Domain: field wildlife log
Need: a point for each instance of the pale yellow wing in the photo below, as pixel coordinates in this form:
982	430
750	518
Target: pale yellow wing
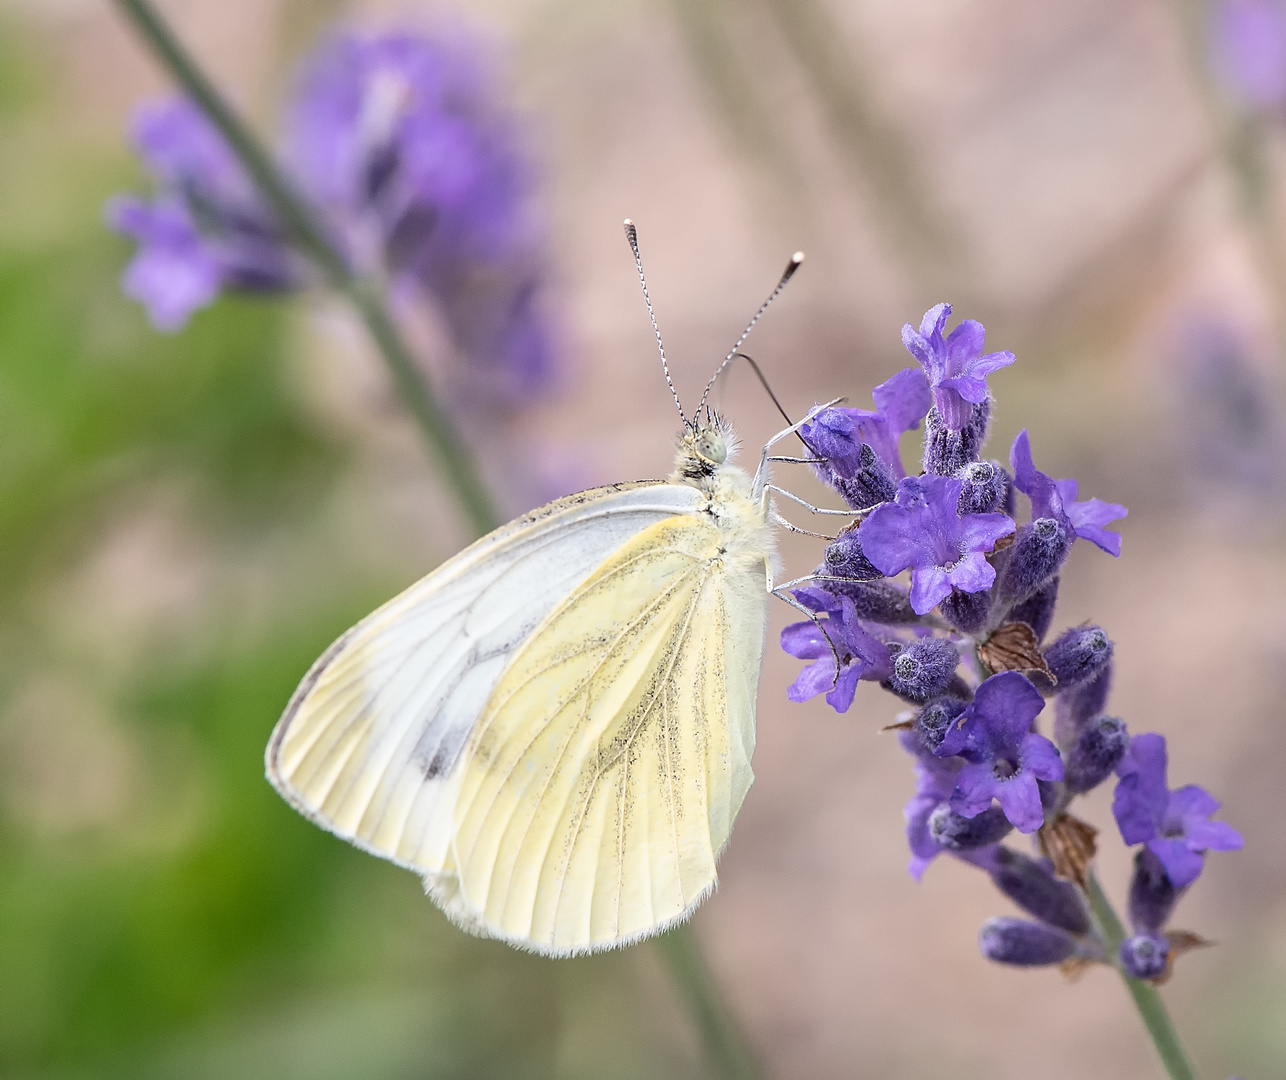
604	775
371	742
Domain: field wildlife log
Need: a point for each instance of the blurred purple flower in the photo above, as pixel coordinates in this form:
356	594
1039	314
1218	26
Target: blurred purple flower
923	533
1057	499
1175	825
1003	756
956	367
861	655
205	231
1249	46
396	136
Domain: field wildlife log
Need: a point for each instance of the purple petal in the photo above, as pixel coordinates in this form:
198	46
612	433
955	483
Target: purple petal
964	343
979	532
1020	462
892	539
930	585
1213	836
971	574
1040	757
933	322
1088	519
816	598
1135	816
1019	798
1190	801
841	696
815	679
805	641
991	363
918	347
1007	704
976	786
903	399
969	387
1182	865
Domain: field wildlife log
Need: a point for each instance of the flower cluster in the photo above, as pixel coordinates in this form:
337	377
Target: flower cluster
965	639
416	175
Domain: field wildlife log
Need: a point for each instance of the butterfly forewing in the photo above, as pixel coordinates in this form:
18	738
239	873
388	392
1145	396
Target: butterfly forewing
370	739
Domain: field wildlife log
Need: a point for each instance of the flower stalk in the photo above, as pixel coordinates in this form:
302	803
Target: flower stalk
1152	1010
721	1036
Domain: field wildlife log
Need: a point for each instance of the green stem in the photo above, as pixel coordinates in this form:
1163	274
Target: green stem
1146	999
725	1044
301	225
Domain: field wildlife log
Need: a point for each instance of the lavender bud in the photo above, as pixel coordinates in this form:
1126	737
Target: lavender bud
1037	611
1144	956
1031	884
1026	944
880	602
1079	705
985	486
1097	751
844	558
1152	893
1038	551
955	832
923	670
933	720
947	452
1078	655
967	612
871	485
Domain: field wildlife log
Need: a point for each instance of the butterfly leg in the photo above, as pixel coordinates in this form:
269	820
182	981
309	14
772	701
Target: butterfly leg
790	526
777	591
761	473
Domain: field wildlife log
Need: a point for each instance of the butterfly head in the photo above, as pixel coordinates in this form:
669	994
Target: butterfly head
704	446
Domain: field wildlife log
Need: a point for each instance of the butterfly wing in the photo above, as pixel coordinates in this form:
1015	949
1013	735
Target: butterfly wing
370	741
608	765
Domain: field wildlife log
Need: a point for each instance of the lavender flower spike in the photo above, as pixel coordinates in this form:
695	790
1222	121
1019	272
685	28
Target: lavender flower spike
956	367
861	657
1003	756
1175	825
1057	499
922	532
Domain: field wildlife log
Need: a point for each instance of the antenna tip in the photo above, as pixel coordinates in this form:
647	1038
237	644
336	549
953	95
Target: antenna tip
797	258
629	224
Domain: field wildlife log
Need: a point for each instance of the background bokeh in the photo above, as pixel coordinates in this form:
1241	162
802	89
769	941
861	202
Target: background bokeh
187	520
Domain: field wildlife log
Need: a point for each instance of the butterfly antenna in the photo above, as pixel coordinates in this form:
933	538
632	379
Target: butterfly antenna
763	379
795	261
632	235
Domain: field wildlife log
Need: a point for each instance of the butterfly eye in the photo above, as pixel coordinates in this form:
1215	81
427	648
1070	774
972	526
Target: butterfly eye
710	445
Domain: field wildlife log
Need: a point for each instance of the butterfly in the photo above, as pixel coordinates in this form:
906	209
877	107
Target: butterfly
554	728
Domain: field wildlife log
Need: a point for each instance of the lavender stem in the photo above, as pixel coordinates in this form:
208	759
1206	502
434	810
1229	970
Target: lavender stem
301	225
1151	1008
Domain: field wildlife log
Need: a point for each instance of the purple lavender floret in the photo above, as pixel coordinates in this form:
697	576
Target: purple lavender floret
1095	754
205	231
1025	944
861	656
1078	655
955	366
1152	894
838	434
986	485
923	533
1250	49
935	780
955	832
1003	756
1031	884
1175	825
1057	499
924	669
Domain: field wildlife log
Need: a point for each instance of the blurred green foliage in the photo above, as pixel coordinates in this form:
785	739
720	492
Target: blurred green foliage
162	912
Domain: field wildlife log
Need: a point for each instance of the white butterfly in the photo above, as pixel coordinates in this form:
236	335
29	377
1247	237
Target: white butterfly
555	727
